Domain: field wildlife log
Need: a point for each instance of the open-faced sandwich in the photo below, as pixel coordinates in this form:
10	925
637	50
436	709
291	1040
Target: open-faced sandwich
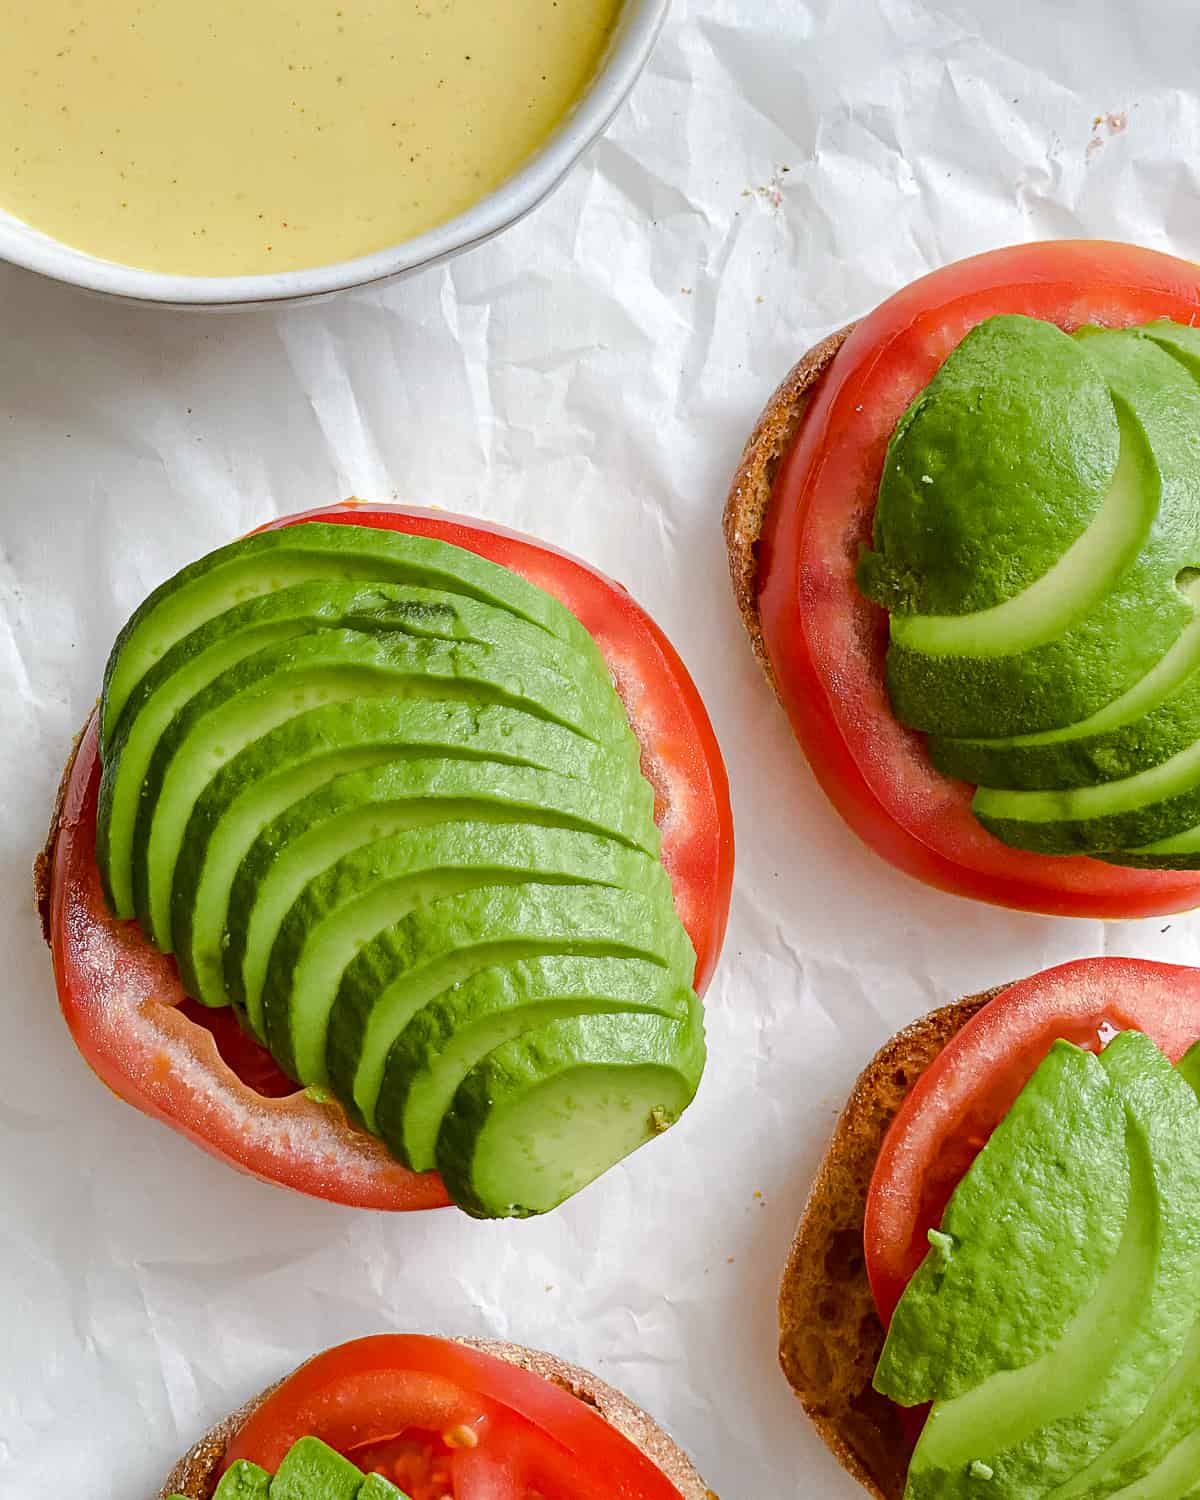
994	1292
428	842
965	541
406	1417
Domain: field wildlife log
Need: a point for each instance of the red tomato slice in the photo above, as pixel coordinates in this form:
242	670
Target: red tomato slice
827	643
401	1402
193	1069
964	1094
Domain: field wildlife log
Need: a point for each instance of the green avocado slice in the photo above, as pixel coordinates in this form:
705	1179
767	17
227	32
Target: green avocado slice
1100	619
547	1112
320	749
1157	1457
964	1281
281	682
189	666
1074	584
311	1470
266	620
1114	815
274	560
243	1481
1036	1427
377	885
1180	340
406	966
1188	1068
1156	719
449	1036
362	807
1018	410
1179	852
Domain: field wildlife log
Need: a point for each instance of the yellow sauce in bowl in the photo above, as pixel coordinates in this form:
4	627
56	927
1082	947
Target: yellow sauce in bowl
231	137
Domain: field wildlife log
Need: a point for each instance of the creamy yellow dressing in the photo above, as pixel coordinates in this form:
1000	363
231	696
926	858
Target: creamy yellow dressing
226	137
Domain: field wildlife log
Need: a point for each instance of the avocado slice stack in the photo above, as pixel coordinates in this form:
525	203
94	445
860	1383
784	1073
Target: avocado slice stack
380	795
1037	544
1055	1322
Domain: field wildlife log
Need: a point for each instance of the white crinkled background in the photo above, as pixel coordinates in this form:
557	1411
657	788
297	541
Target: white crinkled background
589	378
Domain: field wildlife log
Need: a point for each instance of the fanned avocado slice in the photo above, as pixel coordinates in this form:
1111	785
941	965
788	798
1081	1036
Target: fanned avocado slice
377	885
965	1279
218	645
1017	410
189	666
1188	1068
311	1470
547	1112
274	560
1033	1429
243	1481
1093	625
444	944
1156	719
1114	815
1180	340
1181	851
365	806
275	775
449	1036
281	682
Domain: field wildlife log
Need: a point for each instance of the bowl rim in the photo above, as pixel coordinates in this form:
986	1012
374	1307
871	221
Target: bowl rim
638	27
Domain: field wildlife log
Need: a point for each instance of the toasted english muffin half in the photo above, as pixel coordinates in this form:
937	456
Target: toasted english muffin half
830	1336
197	1472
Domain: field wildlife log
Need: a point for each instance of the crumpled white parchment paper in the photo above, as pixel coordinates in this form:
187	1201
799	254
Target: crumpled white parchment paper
590	378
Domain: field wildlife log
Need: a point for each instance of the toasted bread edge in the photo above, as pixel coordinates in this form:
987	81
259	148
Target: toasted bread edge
749	497
830	1334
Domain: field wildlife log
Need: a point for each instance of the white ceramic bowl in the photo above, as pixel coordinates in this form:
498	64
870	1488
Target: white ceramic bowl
633	40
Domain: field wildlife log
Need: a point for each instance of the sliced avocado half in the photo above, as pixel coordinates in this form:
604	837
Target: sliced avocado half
547	1112
281	682
1036	1427
1103	615
362	807
346	773
378	884
274	560
456	1030
406	966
